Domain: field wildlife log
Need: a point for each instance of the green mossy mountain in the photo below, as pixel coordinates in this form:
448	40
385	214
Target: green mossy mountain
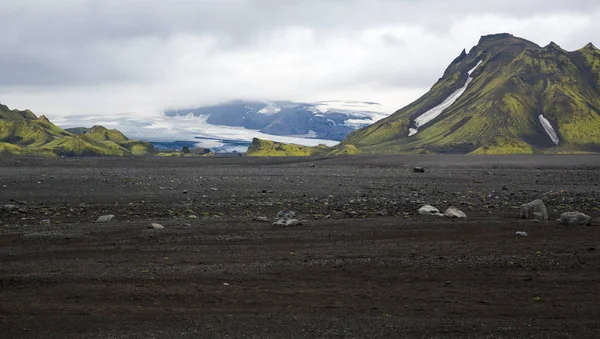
515	82
23	133
267	148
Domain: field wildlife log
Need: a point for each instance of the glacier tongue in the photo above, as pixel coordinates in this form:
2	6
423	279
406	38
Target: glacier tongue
437	110
549	129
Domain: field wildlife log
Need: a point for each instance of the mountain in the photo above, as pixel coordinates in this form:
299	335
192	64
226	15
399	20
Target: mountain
23	133
330	120
506	95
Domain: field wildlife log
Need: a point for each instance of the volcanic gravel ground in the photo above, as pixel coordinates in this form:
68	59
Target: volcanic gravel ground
363	264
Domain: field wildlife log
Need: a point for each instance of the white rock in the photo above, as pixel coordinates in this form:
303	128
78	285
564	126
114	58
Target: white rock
575	219
429	210
105	218
287	222
531	210
155	226
453	212
521	233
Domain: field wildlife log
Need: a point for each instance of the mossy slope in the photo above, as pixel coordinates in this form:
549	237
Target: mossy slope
499	112
267	148
22	133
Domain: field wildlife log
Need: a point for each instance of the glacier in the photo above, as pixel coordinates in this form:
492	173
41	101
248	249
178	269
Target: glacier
437	110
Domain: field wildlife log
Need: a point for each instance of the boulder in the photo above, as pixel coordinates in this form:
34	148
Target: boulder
575	219
430	210
286	214
453	212
105	218
286	218
521	233
534	210
155	226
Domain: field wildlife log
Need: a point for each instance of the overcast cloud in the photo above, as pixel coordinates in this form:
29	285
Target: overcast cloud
66	57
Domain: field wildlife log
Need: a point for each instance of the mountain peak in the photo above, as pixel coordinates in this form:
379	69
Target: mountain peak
505	107
590	46
494	37
553	45
98	128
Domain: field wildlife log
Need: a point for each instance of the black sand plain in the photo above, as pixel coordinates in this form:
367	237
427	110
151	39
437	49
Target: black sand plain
362	265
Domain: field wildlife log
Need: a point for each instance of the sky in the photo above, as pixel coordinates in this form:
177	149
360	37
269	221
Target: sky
140	57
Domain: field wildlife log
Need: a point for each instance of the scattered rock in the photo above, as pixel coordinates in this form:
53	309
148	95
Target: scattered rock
313	165
419	170
286	214
261	219
534	210
430	210
155	226
287	222
521	233
453	212
575	219
106	218
286	218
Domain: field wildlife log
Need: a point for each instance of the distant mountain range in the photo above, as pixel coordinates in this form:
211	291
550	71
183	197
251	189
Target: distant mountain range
23	133
506	95
330	120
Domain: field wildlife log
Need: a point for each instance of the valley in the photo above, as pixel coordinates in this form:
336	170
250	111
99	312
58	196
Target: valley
363	263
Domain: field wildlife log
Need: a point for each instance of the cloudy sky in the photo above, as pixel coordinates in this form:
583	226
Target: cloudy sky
66	57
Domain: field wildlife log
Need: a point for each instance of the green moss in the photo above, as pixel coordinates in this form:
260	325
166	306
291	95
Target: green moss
277	149
100	133
516	82
345	150
503	145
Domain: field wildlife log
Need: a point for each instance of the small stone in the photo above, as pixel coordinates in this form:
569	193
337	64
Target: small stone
155	226
106	218
521	233
419	170
184	192
261	219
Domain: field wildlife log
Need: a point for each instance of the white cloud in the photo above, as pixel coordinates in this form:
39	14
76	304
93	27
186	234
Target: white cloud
101	57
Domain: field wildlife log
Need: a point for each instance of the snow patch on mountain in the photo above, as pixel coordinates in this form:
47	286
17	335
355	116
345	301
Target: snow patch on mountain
271	108
549	129
437	110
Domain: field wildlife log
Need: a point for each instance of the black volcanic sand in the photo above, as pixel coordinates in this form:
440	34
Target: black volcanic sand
363	264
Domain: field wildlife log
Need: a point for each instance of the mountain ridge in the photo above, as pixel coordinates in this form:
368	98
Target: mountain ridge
23	133
517	83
